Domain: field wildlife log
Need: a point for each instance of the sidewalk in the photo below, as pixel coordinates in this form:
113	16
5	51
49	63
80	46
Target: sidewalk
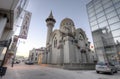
10	73
53	66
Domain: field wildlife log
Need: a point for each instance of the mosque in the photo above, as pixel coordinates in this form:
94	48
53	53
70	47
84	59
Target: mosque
66	46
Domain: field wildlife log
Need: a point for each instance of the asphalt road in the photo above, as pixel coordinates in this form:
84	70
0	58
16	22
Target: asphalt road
22	71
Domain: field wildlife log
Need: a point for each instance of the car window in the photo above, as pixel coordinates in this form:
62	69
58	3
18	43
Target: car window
101	63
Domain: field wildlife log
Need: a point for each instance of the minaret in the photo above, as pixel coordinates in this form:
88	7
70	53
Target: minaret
50	24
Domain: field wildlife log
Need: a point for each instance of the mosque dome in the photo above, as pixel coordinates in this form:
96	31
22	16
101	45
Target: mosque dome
67	26
67	21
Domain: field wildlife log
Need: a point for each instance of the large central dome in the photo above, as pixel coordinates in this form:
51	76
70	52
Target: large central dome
67	26
67	21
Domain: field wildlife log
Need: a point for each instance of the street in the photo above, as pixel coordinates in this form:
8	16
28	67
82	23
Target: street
22	71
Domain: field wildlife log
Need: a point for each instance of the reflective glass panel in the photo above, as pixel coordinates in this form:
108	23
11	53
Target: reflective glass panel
93	23
117	5
117	39
109	9
105	1
116	33
90	5
101	19
107	5
100	14
118	11
112	14
115	26
99	10
116	1
96	2
90	10
103	24
113	20
92	14
94	28
92	18
97	6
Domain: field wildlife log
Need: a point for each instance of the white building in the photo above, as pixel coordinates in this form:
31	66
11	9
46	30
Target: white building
35	55
68	45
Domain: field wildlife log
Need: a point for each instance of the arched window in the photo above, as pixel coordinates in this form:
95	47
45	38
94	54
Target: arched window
55	42
81	37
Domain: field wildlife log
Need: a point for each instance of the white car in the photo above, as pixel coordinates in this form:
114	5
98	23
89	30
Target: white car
106	67
117	65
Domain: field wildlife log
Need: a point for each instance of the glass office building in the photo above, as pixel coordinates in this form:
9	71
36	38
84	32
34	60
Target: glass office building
104	20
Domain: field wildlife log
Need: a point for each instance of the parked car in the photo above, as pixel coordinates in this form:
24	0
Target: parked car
16	61
106	67
29	62
117	65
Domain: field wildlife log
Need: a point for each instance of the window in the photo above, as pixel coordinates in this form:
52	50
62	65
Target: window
55	42
81	37
105	1
117	5
103	24
116	33
112	14
107	5
98	6
93	23
92	18
116	1
90	5
115	26
97	2
99	10
101	19
113	20
90	10
100	14
109	9
94	28
91	14
117	40
36	59
118	11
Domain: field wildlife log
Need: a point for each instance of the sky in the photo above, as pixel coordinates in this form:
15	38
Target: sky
40	9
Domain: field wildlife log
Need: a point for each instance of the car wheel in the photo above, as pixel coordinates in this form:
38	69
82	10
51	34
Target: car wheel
111	72
116	71
97	71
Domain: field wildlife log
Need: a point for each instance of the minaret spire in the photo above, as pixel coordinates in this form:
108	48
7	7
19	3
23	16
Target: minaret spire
51	15
51	18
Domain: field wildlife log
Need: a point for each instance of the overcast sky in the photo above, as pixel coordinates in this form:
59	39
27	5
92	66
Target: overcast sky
74	9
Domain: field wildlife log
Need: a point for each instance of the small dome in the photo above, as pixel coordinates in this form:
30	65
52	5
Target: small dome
67	21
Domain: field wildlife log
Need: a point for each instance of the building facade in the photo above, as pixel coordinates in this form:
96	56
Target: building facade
10	12
35	55
67	45
41	59
104	20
